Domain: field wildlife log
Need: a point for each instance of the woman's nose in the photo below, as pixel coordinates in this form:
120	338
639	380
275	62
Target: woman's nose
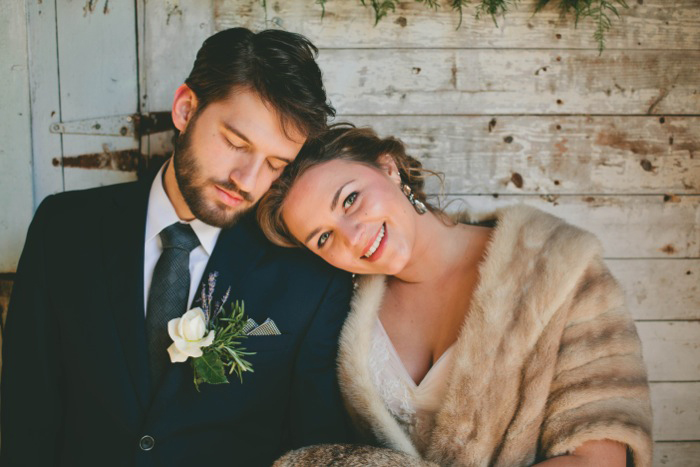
353	233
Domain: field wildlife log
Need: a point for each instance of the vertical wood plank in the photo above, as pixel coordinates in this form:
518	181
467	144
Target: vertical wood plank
98	76
44	99
170	36
15	134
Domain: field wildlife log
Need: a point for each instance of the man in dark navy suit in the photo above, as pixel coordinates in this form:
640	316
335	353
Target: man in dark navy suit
86	380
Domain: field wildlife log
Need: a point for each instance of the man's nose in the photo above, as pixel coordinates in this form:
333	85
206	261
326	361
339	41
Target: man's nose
245	174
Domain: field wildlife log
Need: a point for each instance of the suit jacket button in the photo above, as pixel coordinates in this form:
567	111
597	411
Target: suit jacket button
146	443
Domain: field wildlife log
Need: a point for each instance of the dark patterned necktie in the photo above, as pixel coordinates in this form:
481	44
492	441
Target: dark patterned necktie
167	297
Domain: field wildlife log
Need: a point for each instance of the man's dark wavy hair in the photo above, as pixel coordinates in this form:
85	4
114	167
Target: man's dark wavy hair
279	66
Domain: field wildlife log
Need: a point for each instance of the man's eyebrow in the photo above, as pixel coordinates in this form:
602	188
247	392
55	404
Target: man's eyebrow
334	203
236	132
231	129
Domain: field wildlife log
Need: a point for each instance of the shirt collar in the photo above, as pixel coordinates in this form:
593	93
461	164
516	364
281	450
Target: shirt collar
161	214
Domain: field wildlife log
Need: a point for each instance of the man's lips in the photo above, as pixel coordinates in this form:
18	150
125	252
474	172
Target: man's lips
229	198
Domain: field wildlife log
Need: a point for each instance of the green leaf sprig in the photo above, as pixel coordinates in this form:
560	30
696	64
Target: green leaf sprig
226	351
601	12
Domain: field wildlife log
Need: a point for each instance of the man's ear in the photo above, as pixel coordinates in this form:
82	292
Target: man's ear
184	105
388	165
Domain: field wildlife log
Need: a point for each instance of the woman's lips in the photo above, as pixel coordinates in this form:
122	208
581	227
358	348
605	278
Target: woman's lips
228	198
380	249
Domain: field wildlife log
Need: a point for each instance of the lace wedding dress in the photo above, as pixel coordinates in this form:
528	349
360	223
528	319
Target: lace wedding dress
413	405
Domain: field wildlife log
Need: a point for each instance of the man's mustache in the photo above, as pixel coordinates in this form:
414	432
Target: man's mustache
231	186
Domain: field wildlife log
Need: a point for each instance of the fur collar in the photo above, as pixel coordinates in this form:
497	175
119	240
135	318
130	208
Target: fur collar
529	250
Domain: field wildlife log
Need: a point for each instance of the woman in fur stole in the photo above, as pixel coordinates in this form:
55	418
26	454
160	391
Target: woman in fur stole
499	340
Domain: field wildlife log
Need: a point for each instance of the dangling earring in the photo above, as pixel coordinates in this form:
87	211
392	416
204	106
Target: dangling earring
418	205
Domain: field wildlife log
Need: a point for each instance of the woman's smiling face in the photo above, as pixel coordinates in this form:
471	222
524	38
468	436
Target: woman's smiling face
352	215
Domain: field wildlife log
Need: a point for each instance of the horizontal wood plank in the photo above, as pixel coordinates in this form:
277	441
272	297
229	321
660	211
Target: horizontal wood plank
552	154
671	349
660	289
676	409
487	81
683	454
652	24
628	226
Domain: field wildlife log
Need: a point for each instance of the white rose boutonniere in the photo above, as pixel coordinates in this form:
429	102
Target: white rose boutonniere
210	338
188	335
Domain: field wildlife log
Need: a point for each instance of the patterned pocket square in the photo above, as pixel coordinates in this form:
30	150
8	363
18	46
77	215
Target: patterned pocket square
268	328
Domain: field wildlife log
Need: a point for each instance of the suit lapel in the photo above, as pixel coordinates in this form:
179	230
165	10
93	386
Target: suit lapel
123	237
237	252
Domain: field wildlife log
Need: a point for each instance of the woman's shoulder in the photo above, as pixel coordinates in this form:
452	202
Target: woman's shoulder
521	228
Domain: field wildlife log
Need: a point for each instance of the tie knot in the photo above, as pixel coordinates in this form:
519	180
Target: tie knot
179	235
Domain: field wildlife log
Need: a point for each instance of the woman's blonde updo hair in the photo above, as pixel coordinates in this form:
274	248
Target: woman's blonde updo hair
344	142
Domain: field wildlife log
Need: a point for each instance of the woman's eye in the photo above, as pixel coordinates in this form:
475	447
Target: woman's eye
350	200
322	239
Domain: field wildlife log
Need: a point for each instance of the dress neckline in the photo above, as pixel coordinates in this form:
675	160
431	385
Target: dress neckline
404	371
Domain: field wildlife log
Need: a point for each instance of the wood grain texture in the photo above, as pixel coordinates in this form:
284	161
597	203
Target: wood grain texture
507	81
628	226
169	37
669	454
15	134
652	24
553	154
676	411
671	349
44	99
660	289
98	77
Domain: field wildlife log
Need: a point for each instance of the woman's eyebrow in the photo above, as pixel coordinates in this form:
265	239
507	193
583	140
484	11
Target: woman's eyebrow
312	234
334	203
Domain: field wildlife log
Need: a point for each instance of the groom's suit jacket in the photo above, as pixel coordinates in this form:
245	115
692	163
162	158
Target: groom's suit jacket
75	380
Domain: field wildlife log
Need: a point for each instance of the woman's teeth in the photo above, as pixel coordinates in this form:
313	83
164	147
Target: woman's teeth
376	243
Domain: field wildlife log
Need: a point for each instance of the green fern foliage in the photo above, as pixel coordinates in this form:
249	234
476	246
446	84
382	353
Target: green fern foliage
601	12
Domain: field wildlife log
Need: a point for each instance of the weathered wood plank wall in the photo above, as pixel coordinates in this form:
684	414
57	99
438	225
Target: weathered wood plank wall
530	112
526	112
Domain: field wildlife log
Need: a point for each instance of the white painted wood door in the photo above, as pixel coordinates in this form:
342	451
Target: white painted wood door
82	65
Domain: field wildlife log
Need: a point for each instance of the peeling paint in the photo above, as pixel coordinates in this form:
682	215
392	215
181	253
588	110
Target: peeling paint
668	249
618	140
173	10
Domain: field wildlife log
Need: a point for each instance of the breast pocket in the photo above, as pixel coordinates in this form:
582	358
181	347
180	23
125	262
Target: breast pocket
263	344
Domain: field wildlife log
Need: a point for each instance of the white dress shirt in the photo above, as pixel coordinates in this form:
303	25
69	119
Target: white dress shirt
160	215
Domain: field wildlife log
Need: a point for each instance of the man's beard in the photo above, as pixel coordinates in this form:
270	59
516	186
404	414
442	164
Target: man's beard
192	185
